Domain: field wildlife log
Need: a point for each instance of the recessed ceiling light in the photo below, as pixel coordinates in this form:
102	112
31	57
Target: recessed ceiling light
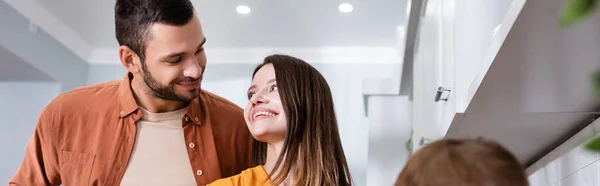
345	7
243	9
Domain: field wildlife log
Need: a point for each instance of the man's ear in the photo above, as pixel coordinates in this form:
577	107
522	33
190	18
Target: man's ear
130	60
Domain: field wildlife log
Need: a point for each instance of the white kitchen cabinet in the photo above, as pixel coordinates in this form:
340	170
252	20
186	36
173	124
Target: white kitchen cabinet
468	30
453	42
427	73
447	90
516	77
434	70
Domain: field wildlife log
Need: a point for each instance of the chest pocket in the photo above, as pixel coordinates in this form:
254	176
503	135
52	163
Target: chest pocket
76	168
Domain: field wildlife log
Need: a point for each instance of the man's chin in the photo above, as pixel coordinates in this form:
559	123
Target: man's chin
190	95
194	92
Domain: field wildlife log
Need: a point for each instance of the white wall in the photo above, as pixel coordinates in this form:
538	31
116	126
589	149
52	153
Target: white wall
20	105
389	129
346	87
234	89
40	50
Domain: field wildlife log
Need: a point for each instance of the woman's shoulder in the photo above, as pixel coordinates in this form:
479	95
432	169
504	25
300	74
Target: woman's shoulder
249	177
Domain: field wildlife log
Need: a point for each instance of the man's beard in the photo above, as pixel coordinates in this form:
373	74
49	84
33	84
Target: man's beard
164	92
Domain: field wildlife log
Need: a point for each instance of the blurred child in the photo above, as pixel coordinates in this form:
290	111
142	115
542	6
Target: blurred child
463	162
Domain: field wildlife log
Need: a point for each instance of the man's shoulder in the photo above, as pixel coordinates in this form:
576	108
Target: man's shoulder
89	96
219	103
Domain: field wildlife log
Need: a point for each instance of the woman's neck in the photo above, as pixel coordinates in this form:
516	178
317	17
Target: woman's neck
273	152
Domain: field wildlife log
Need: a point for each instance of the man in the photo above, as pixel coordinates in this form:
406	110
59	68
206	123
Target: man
154	127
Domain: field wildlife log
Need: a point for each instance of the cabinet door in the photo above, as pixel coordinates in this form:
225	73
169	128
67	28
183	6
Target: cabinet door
474	24
447	104
426	75
437	54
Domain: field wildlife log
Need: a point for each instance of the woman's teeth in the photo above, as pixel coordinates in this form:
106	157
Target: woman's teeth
264	113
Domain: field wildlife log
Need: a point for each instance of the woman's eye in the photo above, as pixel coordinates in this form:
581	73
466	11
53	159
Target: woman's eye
250	95
274	88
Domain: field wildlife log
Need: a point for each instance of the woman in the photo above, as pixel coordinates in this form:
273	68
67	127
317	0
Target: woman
458	162
298	142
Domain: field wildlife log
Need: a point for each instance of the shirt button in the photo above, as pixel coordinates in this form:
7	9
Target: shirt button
122	112
199	172
197	119
187	119
192	145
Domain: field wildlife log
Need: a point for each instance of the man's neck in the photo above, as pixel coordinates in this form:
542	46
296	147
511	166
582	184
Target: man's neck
273	152
150	102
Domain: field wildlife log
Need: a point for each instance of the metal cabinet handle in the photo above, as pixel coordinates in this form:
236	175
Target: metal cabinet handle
440	91
424	141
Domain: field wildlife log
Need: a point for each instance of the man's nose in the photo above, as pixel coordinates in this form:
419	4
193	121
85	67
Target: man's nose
193	70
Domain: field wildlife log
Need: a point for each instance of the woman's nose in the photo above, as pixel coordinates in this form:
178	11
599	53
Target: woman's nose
259	98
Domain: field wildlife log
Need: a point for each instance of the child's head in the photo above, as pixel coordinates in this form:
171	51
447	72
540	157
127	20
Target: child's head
463	162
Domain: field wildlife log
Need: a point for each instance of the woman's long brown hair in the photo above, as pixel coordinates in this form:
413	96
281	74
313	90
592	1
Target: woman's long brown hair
312	142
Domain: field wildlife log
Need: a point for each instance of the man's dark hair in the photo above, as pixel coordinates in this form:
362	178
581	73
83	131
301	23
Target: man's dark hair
133	19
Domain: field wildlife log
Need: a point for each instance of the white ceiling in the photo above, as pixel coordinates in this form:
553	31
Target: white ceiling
287	23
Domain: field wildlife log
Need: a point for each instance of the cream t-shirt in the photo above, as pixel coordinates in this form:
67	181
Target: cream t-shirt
159	154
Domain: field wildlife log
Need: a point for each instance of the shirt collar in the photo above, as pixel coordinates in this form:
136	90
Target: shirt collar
127	103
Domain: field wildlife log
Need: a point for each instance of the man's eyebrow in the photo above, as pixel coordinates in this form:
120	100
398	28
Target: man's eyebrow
171	55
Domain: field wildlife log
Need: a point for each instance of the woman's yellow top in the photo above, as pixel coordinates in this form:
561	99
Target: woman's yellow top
256	176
